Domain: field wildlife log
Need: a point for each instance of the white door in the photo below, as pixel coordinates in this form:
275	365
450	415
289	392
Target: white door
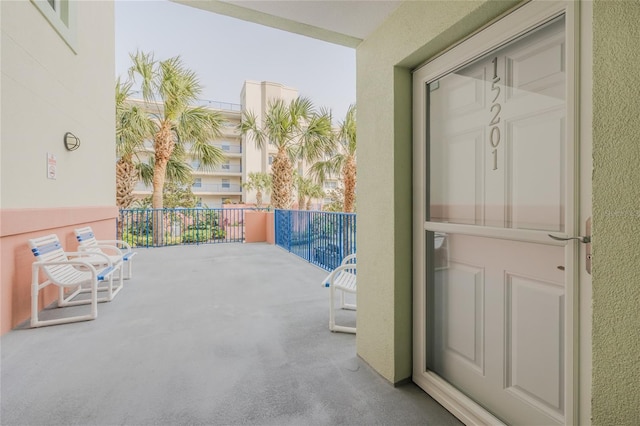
499	161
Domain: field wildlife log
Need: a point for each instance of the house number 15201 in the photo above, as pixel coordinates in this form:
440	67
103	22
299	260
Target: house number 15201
494	129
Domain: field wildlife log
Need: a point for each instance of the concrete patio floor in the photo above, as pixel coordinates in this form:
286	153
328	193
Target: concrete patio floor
210	334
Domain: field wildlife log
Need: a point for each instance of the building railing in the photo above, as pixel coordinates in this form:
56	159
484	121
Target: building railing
229	149
220	168
226	168
322	238
198	188
167	227
216	187
228	106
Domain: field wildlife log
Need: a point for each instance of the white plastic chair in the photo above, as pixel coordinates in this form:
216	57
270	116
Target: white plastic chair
117	251
68	274
343	280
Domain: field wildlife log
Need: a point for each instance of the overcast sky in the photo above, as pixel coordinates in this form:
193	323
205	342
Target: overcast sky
225	51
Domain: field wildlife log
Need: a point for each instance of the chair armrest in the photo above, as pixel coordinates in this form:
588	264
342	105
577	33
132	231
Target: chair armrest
332	276
117	243
81	254
101	246
348	259
67	262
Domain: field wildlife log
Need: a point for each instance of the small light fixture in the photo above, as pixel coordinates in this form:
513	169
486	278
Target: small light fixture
71	141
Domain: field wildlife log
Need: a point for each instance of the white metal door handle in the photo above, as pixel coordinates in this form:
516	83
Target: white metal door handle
583	239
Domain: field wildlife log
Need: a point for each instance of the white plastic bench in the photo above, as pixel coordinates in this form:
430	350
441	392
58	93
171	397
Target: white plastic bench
343	280
117	251
68	273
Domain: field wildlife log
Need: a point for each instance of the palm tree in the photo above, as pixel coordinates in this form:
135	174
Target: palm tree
315	191
307	191
171	88
258	181
302	186
298	131
132	128
342	162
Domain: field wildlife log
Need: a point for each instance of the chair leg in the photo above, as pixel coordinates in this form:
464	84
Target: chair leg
109	287
34	295
94	300
332	320
332	312
62	302
344	304
129	271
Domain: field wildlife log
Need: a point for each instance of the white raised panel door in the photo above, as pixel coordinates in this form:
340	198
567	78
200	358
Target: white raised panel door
496	305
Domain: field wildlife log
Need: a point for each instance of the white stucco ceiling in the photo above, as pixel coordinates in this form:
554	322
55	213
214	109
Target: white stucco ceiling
345	22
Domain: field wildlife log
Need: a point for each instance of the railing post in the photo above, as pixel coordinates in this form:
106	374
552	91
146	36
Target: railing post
290	228
308	236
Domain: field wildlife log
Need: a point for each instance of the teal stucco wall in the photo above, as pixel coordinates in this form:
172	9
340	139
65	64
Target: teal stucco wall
415	32
616	213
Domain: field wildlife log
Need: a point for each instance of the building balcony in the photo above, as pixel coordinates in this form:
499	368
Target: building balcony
216	188
205	334
203	188
229	149
222	169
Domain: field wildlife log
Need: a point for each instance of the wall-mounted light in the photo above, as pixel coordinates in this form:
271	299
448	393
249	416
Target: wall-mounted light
71	141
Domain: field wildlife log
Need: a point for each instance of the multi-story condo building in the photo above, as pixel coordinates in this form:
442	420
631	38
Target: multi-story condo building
223	183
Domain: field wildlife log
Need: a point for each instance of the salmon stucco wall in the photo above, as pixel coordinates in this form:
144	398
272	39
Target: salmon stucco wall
616	213
255	227
50	87
415	32
18	226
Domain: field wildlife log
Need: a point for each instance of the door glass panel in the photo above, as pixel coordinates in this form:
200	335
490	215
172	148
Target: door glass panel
497	136
497	154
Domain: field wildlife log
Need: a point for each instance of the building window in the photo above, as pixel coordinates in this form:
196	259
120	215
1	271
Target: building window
199	203
270	159
195	164
61	14
197	183
225	147
225	165
226	184
331	184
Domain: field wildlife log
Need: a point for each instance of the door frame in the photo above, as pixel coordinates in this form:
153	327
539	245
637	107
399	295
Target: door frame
578	282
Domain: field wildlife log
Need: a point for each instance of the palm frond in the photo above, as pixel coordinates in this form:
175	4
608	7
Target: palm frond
347	132
145	172
249	126
320	171
317	138
179	87
278	125
199	124
208	155
133	125
259	181
178	171
300	109
143	66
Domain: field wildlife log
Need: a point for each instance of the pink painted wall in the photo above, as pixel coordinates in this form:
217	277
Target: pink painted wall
271	228
16	227
255	227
